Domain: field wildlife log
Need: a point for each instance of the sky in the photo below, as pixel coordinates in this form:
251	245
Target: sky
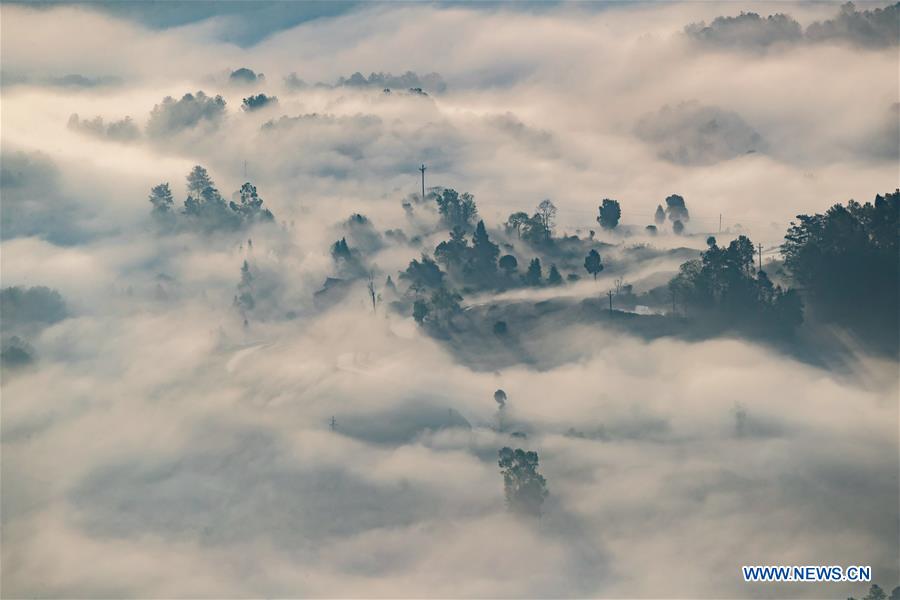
160	447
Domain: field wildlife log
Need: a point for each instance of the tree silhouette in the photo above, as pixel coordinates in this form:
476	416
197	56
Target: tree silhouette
553	277
610	212
676	210
524	487
508	264
546	211
660	216
592	263
534	276
516	222
846	259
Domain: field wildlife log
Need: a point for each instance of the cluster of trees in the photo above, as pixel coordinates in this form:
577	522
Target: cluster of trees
537	229
251	103
846	264
525	488
724	285
458	211
204	207
676	211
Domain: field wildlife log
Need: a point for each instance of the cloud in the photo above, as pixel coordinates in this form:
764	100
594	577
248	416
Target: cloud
161	446
693	134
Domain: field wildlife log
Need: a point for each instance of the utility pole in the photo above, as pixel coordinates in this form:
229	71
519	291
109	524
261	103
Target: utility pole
422	168
760	257
610	294
333	424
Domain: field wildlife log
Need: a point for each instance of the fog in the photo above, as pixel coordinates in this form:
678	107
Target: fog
166	441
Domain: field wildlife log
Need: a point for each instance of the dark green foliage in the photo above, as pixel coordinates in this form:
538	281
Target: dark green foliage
420	311
445	303
610	213
172	116
677	227
340	250
204	207
508	264
650	229
516	222
535	231
161	199
723	284
244	299
423	275
846	262
15	352
524	487
457	210
676	209
534	276
482	264
259	101
660	215
546	212
34	305
554	278
453	252
250	206
500	328
592	263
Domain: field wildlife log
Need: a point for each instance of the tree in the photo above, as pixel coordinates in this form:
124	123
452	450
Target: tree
161	199
508	264
252	103
524	487
723	283
341	251
534	276
554	278
535	231
445	304
250	207
420	311
650	229
592	263
846	259
244	298
660	215
452	252
516	222
423	275
197	181
457	210
482	264
676	209
547	213
678	227
610	212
